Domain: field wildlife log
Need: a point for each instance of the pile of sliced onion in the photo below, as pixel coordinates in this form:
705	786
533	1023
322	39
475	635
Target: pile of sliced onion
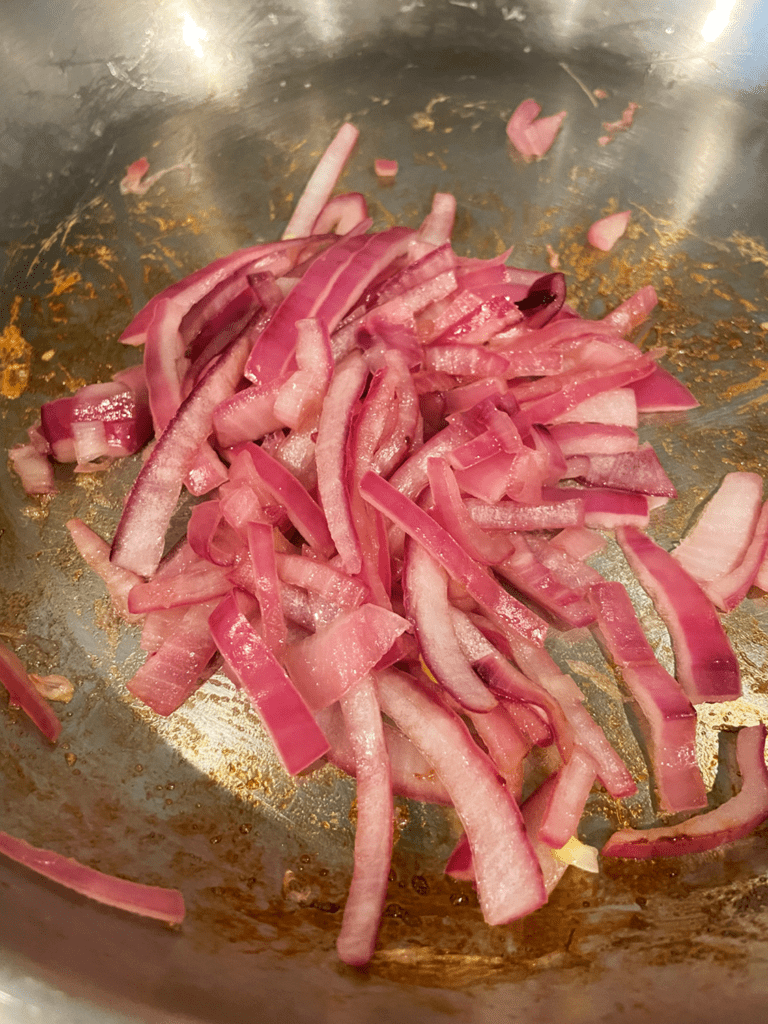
404	458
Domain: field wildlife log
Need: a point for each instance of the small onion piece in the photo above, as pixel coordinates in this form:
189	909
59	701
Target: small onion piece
605	233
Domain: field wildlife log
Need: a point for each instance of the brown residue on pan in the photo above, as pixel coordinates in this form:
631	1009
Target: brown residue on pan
15	356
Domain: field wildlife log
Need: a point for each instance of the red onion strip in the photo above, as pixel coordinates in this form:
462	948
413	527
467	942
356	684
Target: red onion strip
331	458
567	800
261	546
95	552
719	540
373	832
670	716
298	739
321	183
303	511
508	877
732	820
329	663
147	900
510	615
425	593
22	691
140	536
706	667
172	674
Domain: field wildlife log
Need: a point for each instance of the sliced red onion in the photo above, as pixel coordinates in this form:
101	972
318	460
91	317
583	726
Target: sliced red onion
506	746
425	593
567	800
95	552
302	394
538	665
509	614
328	664
507	873
508	682
172	674
410	478
210	536
661	392
718	542
261	546
544	300
605	233
100	420
201	584
511	515
274	349
158	324
632	312
249	414
529	136
23	692
358	261
638	471
552	862
566	391
569	568
388	423
213	315
728	591
34	469
593	438
604	507
437	226
669	716
303	511
530	577
298	739
412	776
732	820
617	408
140	537
158	625
341	213
146	900
134	181
321	578
331	458
373	830
482	545
321	183
705	664
578	542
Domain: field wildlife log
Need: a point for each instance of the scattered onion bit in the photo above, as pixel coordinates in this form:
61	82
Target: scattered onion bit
385	168
605	233
53	687
579	854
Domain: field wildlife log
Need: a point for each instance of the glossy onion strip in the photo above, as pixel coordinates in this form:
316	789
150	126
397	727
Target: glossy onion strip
147	900
407	456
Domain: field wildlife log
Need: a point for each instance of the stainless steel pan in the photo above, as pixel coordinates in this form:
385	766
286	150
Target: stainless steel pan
246	94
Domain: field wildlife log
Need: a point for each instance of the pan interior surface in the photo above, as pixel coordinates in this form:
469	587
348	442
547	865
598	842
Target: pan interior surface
242	99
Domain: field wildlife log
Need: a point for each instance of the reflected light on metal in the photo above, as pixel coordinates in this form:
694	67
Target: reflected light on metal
703	156
193	34
717	20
